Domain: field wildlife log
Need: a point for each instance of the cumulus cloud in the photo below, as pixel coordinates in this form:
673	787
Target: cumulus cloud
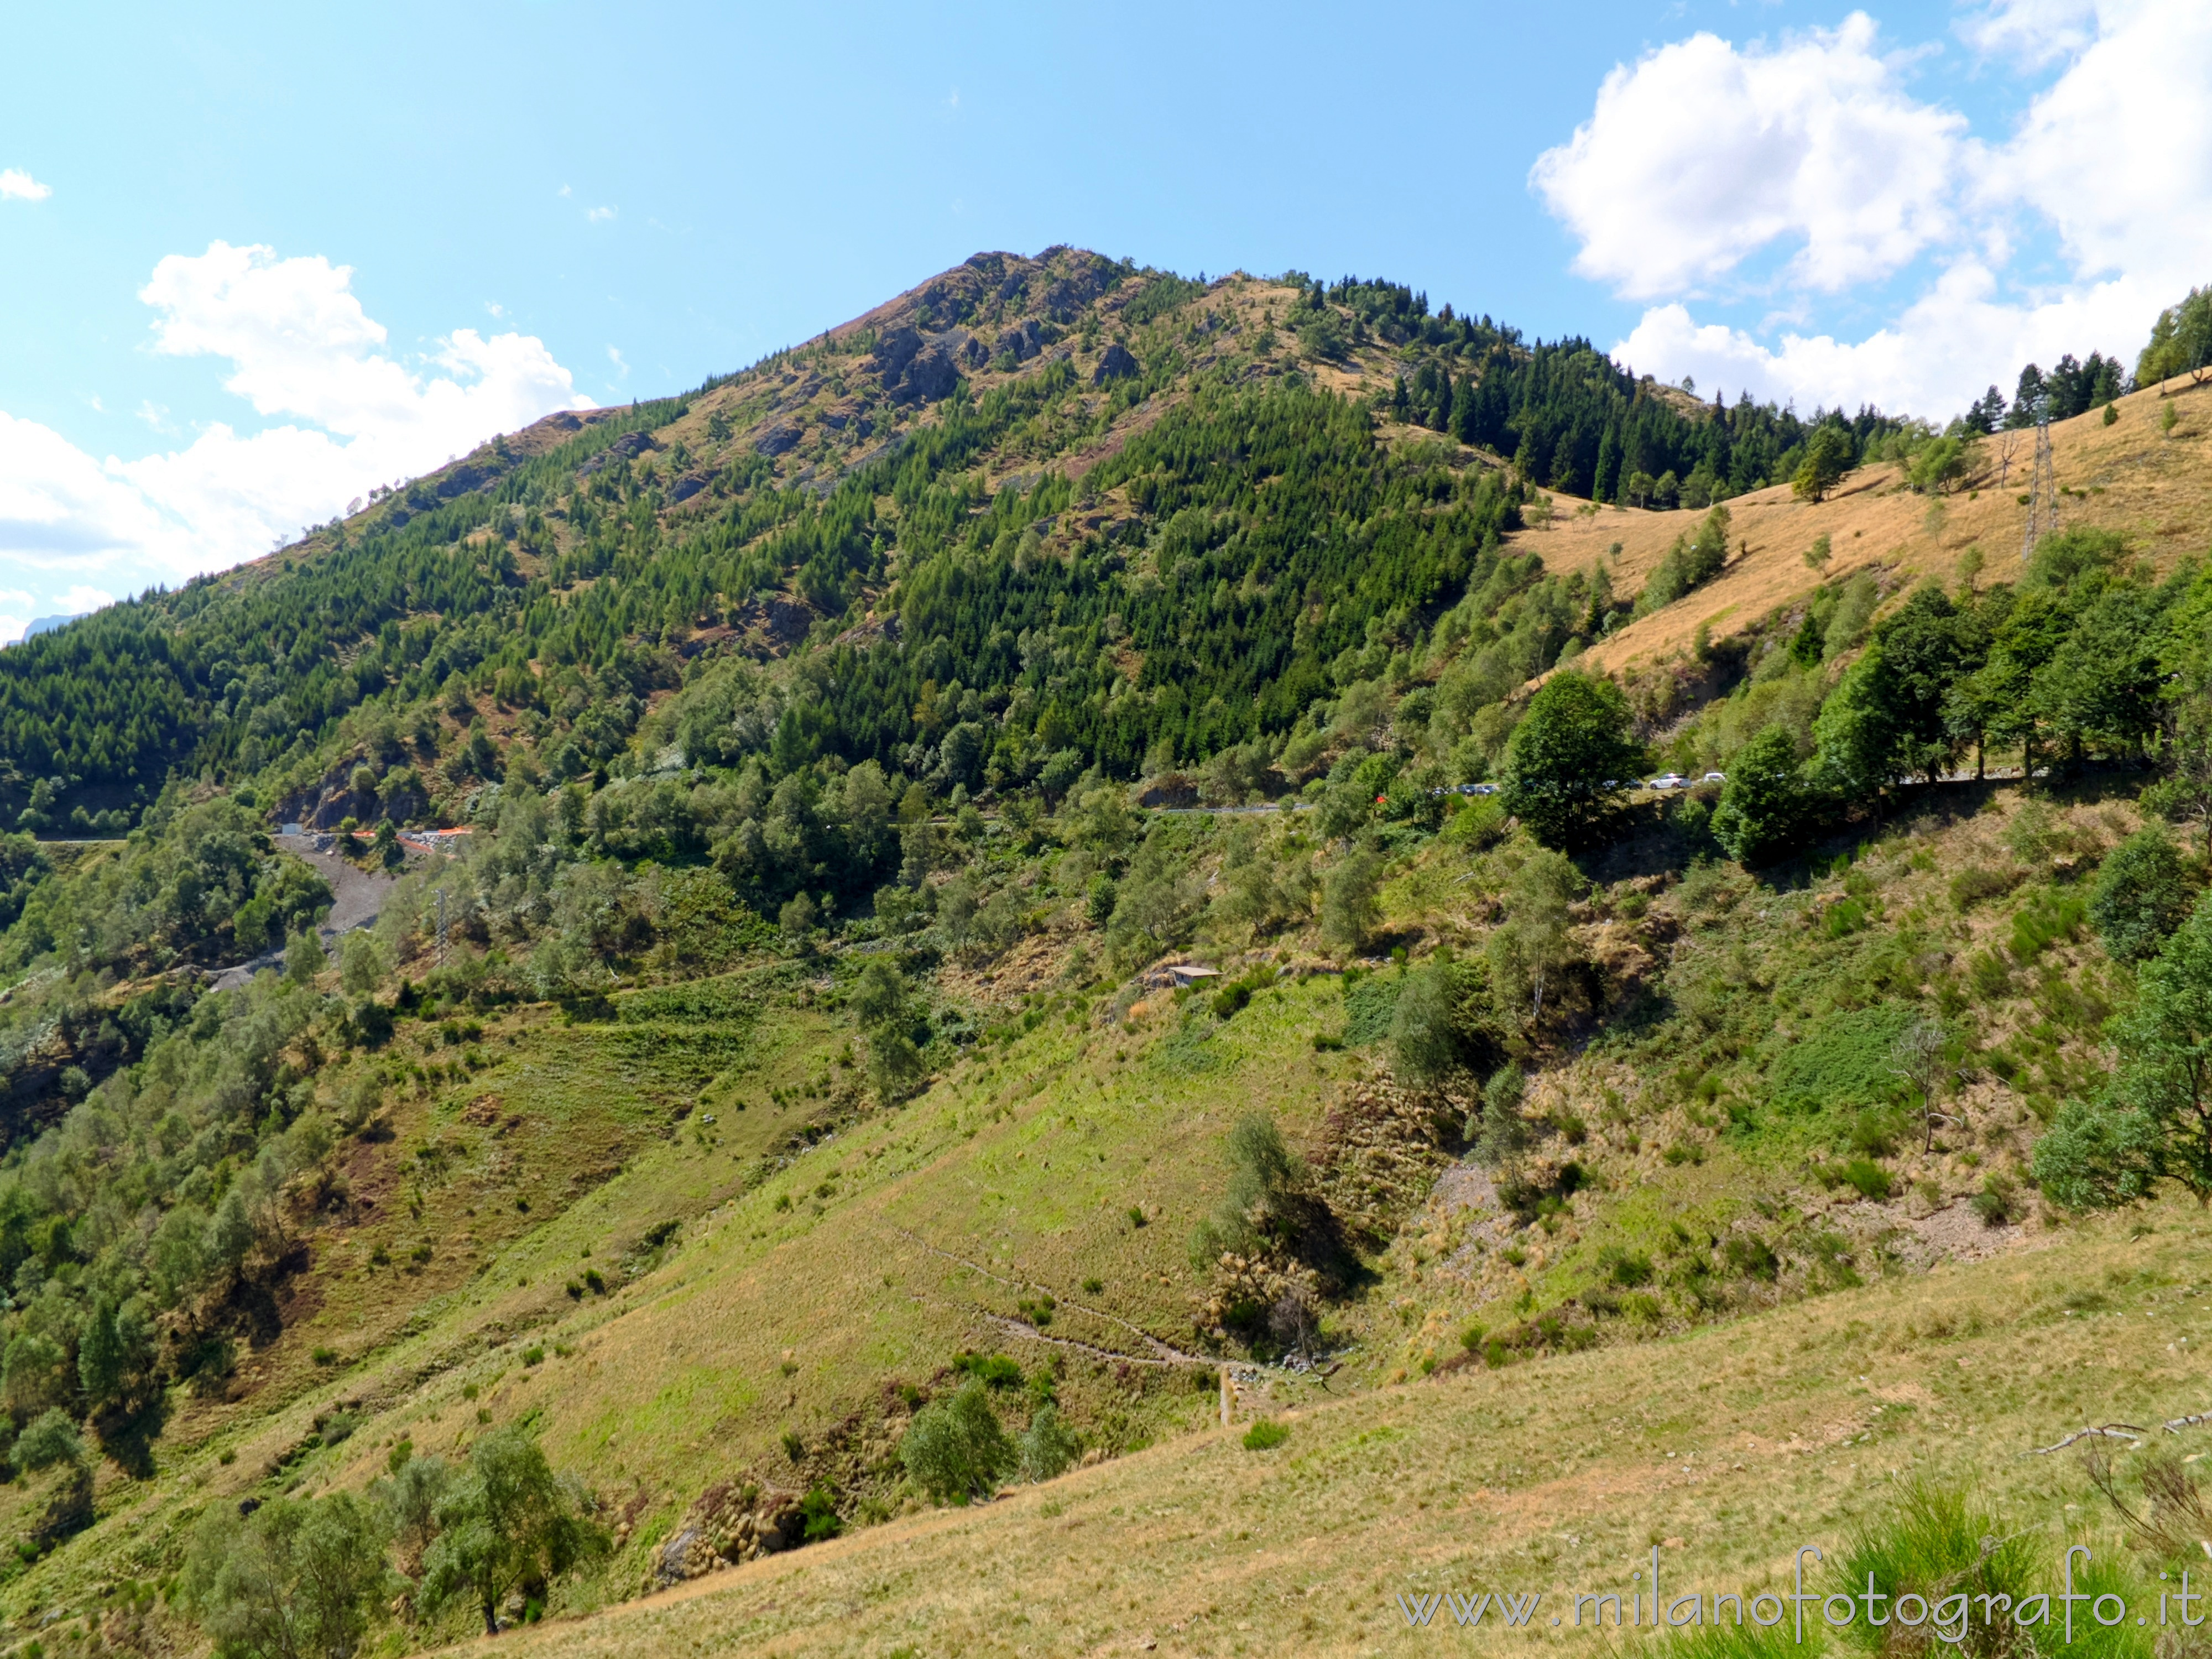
1710	173
300	345
1702	155
17	186
2031	32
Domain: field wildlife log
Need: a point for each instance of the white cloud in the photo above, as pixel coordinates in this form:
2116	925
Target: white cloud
2031	32
615	357
17	186
599	215
1702	156
300	345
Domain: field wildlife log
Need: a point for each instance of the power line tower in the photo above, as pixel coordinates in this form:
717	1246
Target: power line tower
2043	489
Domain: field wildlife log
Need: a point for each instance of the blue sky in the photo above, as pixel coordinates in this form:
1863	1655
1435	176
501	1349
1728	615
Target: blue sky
250	267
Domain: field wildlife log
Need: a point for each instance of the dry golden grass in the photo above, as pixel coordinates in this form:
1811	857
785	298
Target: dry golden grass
1726	1448
2152	486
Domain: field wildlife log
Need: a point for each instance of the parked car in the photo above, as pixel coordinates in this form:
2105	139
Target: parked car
1714	777
1670	780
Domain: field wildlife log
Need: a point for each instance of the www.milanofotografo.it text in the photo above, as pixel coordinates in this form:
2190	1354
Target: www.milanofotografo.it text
1947	1618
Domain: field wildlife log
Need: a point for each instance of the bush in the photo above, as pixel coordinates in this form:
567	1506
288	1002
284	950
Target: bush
2044	921
1047	1445
1370	1006
1843	1062
1977	882
1629	1269
1265	1435
955	1449
1503	1131
2142	894
1868	1177
1351	903
818	1511
993	1370
292	1577
1428	1043
1997	1200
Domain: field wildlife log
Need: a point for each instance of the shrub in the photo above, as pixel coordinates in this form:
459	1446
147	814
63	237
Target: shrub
1995	1201
1265	1435
1978	883
993	1370
2045	920
1871	1180
1370	1007
1047	1445
1844	1062
1938	1547
1630	1269
2142	894
955	1449
819	1511
1428	1041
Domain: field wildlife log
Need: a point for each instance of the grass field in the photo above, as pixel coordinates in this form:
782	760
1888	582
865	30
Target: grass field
2133	477
1726	1448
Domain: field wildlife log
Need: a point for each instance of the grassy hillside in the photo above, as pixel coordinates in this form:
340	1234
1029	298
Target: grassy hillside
803	1043
1728	1450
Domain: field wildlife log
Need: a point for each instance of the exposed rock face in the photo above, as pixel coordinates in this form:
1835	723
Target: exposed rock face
781	621
777	439
1171	789
1115	363
914	369
1078	288
1023	342
629	447
462	479
729	1525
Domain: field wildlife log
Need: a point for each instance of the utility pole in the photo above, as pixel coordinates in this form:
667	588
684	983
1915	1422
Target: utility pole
2043	490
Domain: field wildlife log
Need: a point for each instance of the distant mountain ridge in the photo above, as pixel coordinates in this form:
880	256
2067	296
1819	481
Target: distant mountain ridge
47	625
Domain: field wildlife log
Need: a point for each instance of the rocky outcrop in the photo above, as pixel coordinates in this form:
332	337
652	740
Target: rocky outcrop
1025	341
1170	789
627	447
779	620
777	439
729	1525
1115	363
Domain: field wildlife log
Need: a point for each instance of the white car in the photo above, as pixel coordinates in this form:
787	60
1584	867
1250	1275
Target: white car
1670	780
1714	777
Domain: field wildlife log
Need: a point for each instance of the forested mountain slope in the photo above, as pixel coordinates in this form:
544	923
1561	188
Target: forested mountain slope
788	1100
